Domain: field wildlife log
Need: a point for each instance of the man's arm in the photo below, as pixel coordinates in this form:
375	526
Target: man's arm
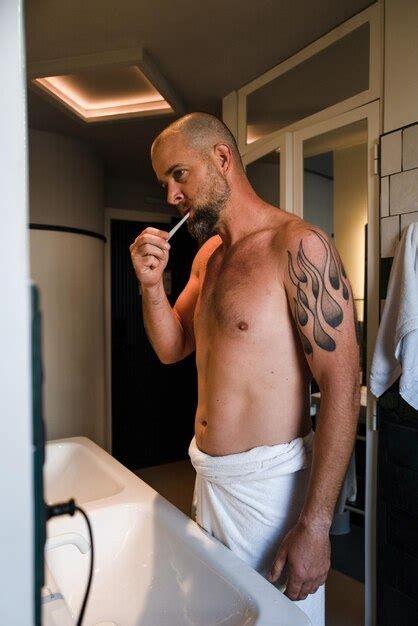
322	305
170	330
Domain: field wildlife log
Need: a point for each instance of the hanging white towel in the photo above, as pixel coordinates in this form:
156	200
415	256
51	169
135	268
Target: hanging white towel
396	350
250	500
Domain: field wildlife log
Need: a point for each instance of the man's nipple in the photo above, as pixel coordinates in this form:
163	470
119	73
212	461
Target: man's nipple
243	326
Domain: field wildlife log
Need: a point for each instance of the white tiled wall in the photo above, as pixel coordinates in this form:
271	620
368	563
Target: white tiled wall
384	197
398	186
407	219
389	235
410	147
404	192
391	146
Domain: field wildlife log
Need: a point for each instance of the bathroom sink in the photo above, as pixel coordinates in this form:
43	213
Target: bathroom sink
154	566
73	470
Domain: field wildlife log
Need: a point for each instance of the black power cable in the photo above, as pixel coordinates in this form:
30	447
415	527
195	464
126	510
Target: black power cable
69	508
86	595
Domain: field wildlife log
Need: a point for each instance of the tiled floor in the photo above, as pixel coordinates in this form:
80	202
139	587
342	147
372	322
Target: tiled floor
344	595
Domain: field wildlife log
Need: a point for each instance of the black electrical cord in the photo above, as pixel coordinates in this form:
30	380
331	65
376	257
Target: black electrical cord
69	508
86	595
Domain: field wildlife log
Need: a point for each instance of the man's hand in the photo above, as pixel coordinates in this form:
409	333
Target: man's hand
306	553
149	254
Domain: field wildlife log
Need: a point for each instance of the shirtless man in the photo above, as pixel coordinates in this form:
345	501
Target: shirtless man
267	307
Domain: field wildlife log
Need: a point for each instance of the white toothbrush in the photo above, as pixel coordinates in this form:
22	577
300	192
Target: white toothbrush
177	226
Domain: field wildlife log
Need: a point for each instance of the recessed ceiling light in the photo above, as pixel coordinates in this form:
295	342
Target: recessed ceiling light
100	88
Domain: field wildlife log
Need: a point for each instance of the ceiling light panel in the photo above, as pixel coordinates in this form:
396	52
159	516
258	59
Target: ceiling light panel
106	91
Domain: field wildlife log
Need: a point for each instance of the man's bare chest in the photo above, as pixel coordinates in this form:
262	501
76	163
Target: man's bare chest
244	294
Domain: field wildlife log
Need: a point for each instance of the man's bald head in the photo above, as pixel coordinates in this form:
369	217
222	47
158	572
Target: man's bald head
202	131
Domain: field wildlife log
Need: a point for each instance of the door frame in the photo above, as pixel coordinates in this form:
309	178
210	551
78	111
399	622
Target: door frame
370	112
125	215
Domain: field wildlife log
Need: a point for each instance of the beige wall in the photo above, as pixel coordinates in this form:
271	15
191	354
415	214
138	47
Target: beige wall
68	269
66	189
127	193
350	214
66	182
401	67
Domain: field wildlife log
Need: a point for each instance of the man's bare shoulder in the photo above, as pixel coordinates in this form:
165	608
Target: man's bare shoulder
298	237
204	253
295	232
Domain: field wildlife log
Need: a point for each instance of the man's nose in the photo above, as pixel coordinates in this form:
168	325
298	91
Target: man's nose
174	194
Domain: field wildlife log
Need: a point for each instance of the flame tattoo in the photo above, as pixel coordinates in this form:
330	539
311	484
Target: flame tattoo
316	283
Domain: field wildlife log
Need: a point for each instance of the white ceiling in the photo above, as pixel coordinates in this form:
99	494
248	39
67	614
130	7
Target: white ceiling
204	50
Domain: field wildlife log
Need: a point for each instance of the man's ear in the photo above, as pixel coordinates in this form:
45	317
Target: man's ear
223	156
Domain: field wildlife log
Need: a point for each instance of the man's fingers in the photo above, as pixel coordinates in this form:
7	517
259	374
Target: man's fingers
147	252
150	250
143	240
150	264
277	567
155	231
293	587
306	590
149	255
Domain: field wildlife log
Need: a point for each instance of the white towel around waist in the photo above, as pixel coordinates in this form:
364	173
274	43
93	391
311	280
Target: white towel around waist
246	498
255	464
250	500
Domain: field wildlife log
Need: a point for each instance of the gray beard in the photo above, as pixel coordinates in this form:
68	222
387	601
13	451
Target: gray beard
203	224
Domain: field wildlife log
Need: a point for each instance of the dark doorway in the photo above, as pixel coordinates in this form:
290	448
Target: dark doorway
153	405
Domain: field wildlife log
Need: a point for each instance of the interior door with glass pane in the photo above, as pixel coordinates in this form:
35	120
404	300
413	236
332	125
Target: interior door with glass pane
336	188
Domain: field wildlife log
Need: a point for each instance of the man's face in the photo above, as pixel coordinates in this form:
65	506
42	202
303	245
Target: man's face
193	184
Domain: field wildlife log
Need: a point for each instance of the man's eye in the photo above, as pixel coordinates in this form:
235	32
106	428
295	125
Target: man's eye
178	174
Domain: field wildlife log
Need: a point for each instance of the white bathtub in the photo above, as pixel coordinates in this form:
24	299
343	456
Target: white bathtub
153	565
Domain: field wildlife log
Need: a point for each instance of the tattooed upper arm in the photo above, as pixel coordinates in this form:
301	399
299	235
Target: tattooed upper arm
320	296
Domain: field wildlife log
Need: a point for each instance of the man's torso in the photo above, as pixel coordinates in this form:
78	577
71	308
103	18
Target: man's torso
252	373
